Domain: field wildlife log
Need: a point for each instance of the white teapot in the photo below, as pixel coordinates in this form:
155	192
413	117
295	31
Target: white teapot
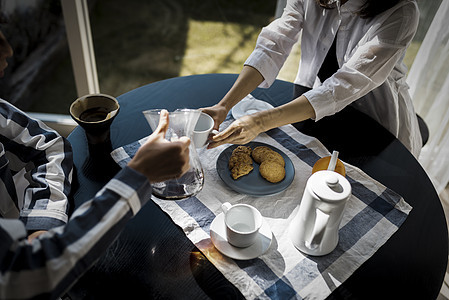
314	229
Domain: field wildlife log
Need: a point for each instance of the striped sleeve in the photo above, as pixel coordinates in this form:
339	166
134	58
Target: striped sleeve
42	163
52	263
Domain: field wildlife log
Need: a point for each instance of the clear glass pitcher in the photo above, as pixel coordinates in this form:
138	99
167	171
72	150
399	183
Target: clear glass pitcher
181	123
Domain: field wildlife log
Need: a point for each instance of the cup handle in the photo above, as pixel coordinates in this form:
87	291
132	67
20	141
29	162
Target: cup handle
226	206
318	230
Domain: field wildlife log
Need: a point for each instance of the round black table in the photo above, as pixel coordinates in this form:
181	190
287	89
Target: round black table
153	259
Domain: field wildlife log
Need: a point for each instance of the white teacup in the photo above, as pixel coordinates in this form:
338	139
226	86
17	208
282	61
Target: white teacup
202	130
243	222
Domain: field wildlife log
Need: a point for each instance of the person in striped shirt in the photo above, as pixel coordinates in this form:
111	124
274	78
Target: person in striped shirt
36	167
48	263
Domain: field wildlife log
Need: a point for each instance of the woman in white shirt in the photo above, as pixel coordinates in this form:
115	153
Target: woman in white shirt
371	38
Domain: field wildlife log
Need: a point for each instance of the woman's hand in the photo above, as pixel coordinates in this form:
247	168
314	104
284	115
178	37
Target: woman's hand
240	132
218	113
247	81
248	127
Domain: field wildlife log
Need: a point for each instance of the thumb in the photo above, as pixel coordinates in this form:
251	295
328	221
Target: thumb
163	123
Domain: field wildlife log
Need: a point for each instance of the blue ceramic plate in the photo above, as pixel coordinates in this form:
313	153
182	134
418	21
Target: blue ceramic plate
253	183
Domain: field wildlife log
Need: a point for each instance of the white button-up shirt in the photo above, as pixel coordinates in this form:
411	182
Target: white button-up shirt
369	54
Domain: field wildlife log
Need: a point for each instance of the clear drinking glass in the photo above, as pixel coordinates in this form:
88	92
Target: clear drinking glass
181	123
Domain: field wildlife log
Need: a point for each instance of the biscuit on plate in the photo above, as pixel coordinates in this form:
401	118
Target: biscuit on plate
272	171
244	149
259	152
239	158
240	170
274	156
263	153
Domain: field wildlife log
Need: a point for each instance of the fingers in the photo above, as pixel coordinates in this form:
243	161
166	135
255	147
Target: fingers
225	133
233	139
239	132
35	234
212	145
180	159
230	134
230	137
213	115
224	137
163	123
217	112
160	160
185	143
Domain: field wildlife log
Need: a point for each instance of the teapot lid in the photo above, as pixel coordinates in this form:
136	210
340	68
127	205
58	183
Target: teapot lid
329	186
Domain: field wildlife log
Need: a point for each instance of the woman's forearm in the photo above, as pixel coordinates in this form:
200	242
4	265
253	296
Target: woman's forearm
248	127
248	80
296	110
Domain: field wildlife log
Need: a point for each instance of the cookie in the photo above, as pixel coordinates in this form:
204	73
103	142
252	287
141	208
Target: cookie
239	158
259	152
272	171
242	149
273	156
240	170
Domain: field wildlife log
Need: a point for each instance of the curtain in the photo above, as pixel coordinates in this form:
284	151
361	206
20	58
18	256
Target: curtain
429	87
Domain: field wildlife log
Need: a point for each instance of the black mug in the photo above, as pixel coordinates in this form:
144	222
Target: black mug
95	114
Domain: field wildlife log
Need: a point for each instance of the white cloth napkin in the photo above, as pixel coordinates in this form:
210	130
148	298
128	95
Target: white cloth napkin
249	105
373	213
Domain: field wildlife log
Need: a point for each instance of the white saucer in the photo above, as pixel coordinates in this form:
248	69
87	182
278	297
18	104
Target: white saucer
218	237
249	105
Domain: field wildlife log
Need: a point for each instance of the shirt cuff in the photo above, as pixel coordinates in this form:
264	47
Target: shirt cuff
265	65
322	102
132	186
41	219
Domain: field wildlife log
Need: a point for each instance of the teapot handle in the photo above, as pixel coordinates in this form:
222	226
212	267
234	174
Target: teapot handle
318	230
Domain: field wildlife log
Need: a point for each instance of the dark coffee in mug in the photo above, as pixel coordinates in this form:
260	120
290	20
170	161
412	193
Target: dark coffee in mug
94	114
